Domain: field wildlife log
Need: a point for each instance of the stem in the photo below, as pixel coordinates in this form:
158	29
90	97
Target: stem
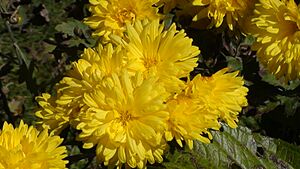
11	118
19	52
30	82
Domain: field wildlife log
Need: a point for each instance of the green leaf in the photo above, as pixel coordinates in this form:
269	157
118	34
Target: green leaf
236	148
75	42
70	26
4	6
234	63
66	28
249	40
179	160
280	150
168	20
78	32
268	106
271	79
290	104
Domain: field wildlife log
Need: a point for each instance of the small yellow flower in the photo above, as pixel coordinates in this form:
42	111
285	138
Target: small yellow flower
27	148
168	54
125	117
111	16
276	26
217	10
222	93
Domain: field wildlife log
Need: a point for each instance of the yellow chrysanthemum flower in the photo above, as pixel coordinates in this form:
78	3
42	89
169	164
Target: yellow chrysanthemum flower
27	148
126	118
222	93
94	66
188	120
169	54
232	10
111	16
276	26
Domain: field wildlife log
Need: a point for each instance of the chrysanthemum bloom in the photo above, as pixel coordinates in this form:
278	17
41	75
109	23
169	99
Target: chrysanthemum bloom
27	148
94	66
217	10
189	121
169	54
276	26
126	118
111	16
222	93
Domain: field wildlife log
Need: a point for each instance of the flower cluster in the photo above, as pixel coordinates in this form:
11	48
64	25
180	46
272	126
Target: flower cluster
25	147
111	16
126	96
274	24
128	99
132	93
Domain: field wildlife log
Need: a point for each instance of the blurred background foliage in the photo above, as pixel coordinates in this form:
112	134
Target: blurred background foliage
39	39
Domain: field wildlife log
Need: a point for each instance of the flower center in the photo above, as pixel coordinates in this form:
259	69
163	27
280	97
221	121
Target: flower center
149	62
290	27
125	118
125	15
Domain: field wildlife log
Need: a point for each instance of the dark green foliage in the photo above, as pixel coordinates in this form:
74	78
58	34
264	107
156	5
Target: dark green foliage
36	50
237	148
